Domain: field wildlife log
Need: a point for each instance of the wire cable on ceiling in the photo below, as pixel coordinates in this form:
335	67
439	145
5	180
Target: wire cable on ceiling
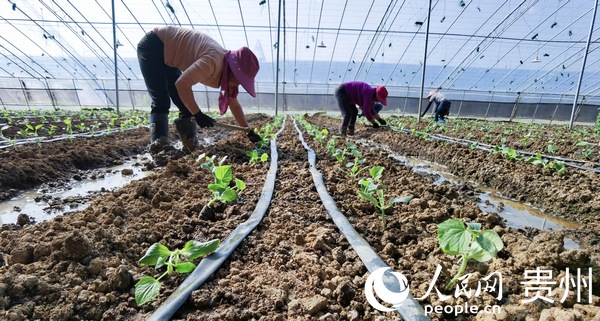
574	60
62	46
44	51
538	27
473	55
159	13
186	14
109	44
556	69
243	23
548	41
375	38
350	60
129	10
271	34
101	56
296	45
171	13
316	41
19	64
216	22
473	35
337	35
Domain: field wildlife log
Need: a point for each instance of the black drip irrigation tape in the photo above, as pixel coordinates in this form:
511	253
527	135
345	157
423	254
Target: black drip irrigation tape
489	148
42	139
410	309
211	263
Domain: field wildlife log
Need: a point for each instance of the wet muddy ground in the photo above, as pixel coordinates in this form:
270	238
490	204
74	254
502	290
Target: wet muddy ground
296	265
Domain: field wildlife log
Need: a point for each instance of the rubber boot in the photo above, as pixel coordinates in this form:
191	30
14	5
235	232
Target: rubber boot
186	128
159	126
350	130
343	130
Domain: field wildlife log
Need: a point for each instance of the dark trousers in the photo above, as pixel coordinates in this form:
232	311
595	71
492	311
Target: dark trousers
160	79
349	110
442	110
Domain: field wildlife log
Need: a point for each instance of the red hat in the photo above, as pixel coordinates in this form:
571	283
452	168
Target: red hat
381	94
244	65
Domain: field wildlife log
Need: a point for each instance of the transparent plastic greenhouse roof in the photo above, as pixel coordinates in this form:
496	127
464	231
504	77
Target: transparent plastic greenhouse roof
499	46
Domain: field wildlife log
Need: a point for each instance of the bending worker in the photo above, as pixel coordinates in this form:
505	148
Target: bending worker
173	59
443	106
353	93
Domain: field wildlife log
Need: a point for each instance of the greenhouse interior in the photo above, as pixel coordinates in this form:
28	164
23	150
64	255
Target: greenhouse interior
300	160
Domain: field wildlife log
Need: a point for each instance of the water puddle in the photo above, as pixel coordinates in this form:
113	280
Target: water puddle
516	214
41	205
519	215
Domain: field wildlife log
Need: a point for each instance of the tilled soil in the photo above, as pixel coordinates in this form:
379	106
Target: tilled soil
295	265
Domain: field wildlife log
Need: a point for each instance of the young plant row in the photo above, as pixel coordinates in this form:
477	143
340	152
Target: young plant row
266	132
580	143
509	153
224	189
352	163
468	241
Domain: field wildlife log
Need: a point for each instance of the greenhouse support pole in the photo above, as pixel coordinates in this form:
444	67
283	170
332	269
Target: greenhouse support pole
587	48
424	62
114	25
277	68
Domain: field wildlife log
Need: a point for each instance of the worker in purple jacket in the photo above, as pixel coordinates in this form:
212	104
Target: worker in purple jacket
350	94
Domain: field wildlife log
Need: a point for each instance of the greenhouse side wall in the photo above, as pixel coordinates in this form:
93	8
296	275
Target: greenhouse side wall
24	94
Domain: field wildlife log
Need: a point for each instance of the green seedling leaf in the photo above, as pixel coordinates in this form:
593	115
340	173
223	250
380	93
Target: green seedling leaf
194	249
453	236
224	174
369	198
229	195
146	290
215	187
376	172
264	157
470	243
486	246
240	184
185	267
154	254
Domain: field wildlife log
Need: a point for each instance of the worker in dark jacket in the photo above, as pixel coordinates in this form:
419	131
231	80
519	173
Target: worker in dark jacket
351	94
443	106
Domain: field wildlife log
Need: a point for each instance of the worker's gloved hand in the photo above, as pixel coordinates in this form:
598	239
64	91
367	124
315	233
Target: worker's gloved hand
382	122
376	125
253	136
204	120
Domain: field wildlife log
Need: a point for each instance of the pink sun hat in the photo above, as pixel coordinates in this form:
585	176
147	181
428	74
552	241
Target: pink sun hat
381	93
244	65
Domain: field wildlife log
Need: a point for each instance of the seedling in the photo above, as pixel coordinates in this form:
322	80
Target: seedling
470	242
209	162
381	205
148	288
221	191
355	168
69	124
370	184
374	193
340	155
254	156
